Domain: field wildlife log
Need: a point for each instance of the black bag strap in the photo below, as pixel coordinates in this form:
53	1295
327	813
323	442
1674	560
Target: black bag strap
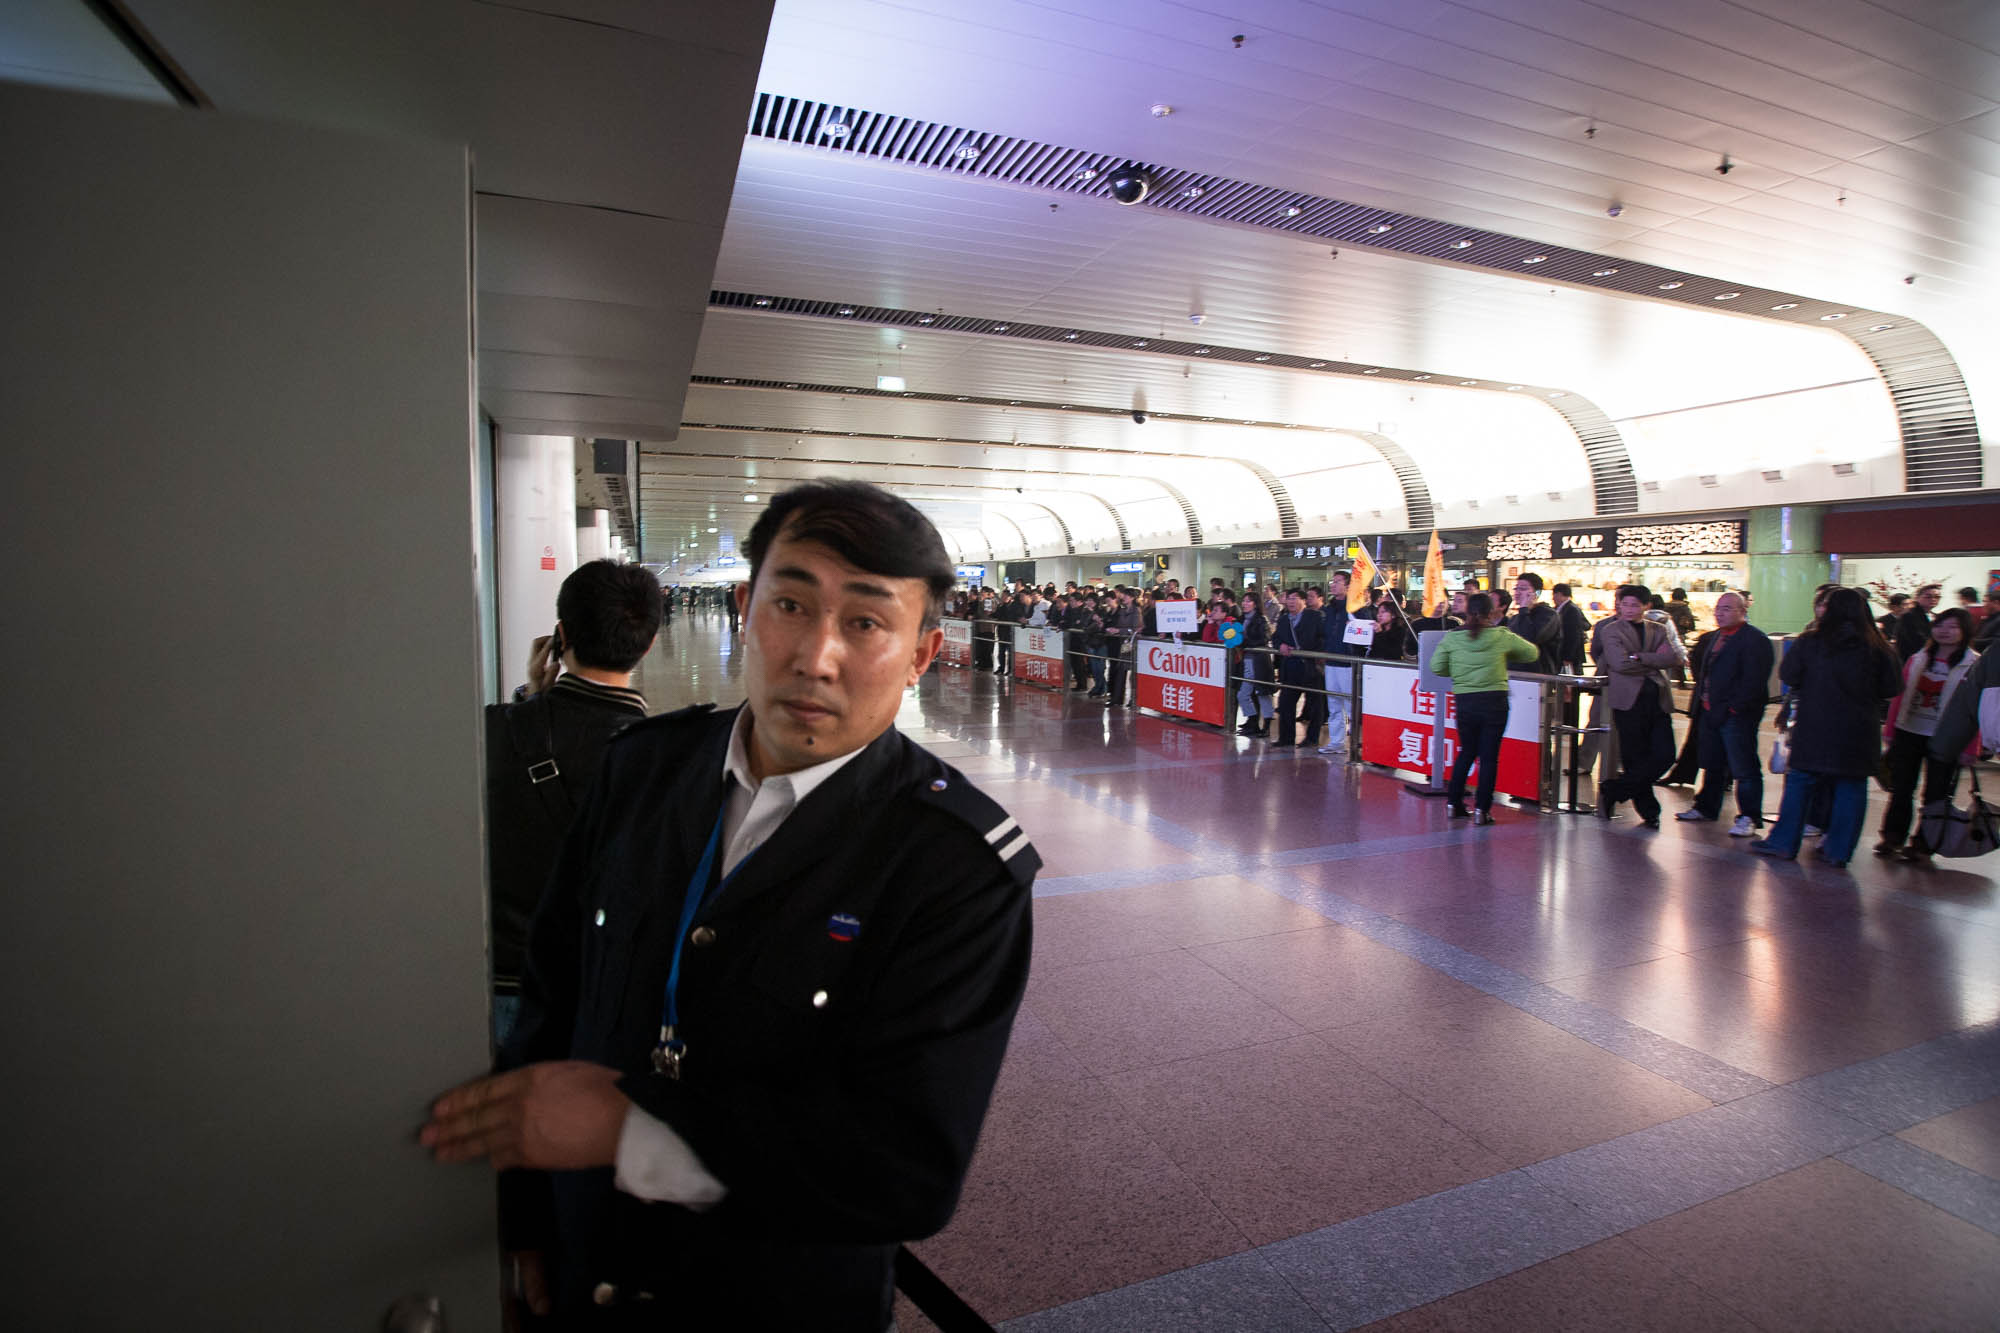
939	1303
538	753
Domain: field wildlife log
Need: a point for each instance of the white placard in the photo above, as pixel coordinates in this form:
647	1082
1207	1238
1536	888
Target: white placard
1360	633
1176	617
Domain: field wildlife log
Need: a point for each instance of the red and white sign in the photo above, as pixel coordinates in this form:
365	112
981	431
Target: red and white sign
1185	680
1038	655
548	557
957	650
1396	728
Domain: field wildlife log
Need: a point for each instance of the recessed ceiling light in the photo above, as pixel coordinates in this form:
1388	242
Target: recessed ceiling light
1604	273
791	386
1143	342
999	328
847	310
848	390
1423	377
1381	229
1839	315
1786	305
1372	370
836	129
1071	337
1559	393
1880	328
1319	365
1536	259
963	399
926	319
1461	244
1466	384
1013	402
762	300
750	499
1208	418
1726	296
1263	356
1192	192
909	395
1203	351
1670	286
966	152
711	529
1293	211
1087	174
1248	422
729	381
1513	388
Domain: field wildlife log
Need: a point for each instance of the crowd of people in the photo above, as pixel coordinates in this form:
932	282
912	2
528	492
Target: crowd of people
1890	699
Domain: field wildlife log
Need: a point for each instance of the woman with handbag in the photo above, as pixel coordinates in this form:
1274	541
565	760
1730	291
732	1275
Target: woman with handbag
1840	672
1930	678
1634	653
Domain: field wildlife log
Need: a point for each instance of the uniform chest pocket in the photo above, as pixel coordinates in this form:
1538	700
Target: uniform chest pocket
612	930
805	978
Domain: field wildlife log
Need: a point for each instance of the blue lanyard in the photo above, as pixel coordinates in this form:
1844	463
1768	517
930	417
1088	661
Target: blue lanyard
670	1050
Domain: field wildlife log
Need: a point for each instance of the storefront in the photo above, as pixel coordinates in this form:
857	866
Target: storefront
1706	556
1901	547
1287	564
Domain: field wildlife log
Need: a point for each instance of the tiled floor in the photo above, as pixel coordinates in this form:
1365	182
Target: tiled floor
1299	1054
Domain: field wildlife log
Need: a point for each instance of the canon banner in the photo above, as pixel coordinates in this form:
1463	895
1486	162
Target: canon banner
957	650
1396	728
1038	655
1185	680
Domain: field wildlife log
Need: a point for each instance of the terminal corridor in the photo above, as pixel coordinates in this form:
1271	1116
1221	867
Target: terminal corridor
1296	1054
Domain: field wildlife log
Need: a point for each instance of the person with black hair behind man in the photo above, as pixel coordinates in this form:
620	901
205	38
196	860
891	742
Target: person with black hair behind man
1899	603
774	972
1575	635
1537	622
543	750
1913	628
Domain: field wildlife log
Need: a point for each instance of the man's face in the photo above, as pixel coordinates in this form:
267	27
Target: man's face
1728	611
1294	603
1458	603
1630	608
1928	599
829	650
1313	599
1524	593
1336	586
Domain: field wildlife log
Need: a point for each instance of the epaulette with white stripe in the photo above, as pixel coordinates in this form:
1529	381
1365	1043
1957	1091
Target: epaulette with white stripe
951	791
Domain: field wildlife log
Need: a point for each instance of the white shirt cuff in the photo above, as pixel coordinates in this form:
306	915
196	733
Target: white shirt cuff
656	1164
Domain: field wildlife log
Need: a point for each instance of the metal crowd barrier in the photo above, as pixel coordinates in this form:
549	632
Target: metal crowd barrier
1561	730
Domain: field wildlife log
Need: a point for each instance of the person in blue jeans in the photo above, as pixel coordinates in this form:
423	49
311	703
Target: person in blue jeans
1841	672
1475	658
1731	693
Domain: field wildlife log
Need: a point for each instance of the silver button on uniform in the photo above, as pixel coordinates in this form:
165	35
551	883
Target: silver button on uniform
701	937
819	999
604	1293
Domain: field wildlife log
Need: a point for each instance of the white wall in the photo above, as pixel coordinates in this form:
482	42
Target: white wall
535	479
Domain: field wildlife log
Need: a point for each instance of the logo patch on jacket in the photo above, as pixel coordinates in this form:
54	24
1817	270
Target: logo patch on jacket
840	926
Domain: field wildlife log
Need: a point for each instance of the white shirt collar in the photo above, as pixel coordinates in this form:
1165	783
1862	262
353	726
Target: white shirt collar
736	763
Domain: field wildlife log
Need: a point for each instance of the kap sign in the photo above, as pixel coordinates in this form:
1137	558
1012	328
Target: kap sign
1184	680
1038	655
1580	543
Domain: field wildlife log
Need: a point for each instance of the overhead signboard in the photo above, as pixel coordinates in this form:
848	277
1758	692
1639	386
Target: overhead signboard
1186	680
1633	542
1126	567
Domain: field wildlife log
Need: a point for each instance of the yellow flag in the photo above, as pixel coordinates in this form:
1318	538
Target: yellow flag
1361	581
1434	576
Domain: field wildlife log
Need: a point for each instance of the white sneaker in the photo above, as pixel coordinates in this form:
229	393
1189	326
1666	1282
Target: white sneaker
1813	831
1691	816
1744	827
1334	748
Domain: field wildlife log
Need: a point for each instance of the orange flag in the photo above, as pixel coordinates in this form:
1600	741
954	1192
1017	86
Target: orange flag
1434	576
1361	581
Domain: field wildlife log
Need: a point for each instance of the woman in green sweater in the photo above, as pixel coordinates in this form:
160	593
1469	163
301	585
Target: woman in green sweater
1476	658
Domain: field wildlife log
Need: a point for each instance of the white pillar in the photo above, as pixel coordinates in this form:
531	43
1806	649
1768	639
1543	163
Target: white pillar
535	537
594	542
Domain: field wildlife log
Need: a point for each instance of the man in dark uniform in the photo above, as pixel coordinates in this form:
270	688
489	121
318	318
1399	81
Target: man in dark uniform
543	750
1297	630
774	973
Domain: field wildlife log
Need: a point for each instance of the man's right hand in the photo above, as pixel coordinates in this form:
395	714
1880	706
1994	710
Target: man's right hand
543	665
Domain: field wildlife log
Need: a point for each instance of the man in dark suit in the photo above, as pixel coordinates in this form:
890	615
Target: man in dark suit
1733	692
1297	630
1575	631
1913	631
543	750
772	980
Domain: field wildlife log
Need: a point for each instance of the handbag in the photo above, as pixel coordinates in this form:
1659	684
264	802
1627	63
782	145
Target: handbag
1948	831
1781	753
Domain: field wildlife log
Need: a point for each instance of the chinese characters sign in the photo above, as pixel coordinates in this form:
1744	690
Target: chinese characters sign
1038	655
1724	537
957	650
1396	728
1186	680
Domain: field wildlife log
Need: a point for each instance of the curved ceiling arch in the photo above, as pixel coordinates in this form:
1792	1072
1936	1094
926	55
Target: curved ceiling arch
1938	426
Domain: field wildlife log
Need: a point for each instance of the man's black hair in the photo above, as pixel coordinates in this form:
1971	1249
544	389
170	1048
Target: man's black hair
1561	590
1532	579
874	531
1897	599
610	613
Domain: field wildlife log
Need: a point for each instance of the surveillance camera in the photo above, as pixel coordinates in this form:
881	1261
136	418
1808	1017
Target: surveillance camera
1196	318
1614	210
1138	418
1130	184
